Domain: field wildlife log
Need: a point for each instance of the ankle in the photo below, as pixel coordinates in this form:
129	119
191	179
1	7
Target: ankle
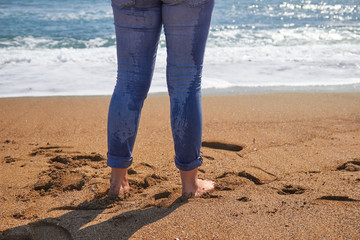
189	180
119	183
119	176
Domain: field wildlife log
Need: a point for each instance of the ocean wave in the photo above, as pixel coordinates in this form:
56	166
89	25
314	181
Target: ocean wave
31	42
323	7
347	55
305	8
82	15
48	57
219	36
92	71
286	36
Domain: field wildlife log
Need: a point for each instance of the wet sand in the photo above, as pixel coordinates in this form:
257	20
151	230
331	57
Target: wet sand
287	166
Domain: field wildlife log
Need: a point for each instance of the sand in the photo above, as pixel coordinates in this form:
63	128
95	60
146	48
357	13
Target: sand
287	166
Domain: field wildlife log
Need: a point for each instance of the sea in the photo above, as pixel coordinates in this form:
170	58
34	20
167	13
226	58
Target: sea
67	47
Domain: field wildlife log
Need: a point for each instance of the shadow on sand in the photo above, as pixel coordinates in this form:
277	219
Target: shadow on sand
77	223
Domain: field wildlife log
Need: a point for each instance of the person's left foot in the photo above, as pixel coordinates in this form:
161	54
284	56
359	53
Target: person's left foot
119	184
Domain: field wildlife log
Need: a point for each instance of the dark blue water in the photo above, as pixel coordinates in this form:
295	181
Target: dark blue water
72	23
68	23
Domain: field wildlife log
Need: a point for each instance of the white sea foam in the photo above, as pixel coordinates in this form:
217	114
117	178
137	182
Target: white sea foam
30	42
92	71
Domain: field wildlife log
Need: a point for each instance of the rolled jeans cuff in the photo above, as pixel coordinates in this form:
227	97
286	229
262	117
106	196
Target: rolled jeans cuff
118	162
188	166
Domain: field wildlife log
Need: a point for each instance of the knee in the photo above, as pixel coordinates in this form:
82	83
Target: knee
184	79
133	82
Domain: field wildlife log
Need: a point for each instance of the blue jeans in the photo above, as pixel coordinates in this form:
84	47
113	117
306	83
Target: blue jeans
138	25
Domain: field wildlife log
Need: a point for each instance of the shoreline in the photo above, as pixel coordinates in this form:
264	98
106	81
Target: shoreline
244	90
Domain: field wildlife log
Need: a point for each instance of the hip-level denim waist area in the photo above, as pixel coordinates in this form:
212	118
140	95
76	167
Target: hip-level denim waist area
152	3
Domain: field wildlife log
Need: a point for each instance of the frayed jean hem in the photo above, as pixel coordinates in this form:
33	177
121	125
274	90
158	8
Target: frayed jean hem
118	162
188	166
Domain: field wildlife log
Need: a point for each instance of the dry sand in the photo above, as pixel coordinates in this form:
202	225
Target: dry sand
287	166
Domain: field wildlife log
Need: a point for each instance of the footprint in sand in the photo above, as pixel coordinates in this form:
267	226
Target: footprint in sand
210	195
222	146
9	141
231	177
162	199
48	150
229	180
142	176
60	181
9	159
244	199
144	180
161	195
65	171
208	157
140	168
143	183
290	189
338	198
351	166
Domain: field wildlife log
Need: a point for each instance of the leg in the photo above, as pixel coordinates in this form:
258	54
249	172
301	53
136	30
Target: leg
186	30
137	36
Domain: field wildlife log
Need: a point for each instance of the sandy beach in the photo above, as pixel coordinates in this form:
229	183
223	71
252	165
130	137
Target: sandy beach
287	166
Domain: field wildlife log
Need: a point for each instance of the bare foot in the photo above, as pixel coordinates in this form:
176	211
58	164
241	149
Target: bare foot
119	183
193	187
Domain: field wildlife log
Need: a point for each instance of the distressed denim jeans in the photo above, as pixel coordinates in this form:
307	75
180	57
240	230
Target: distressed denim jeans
138	26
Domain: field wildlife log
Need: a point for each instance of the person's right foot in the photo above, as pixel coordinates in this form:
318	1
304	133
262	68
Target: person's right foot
193	187
203	186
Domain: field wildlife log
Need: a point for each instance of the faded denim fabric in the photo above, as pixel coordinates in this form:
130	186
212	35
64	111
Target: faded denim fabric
138	25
